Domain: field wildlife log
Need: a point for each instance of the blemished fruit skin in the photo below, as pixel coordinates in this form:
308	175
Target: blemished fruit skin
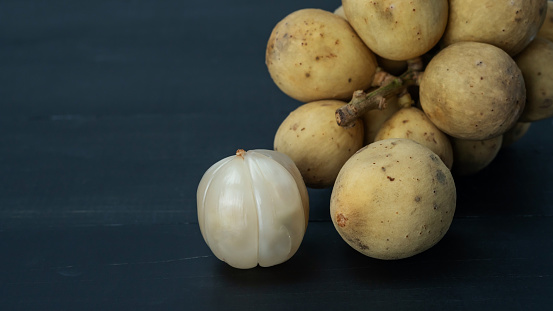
546	30
472	156
373	119
472	91
536	64
398	30
313	55
393	199
413	124
508	24
318	146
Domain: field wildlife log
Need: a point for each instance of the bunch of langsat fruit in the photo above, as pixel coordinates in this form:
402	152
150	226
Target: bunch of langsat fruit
397	95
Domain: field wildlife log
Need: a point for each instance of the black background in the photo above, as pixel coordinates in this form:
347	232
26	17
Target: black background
111	111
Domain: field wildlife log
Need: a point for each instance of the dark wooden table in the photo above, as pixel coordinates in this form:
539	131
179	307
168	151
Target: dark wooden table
111	111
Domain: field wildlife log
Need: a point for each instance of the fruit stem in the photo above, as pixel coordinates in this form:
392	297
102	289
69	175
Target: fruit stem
389	86
240	153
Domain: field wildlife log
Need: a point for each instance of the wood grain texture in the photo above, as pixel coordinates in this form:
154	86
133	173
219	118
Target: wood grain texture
498	262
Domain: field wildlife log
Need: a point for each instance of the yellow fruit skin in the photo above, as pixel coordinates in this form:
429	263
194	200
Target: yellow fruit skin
472	156
508	24
413	124
398	30
373	119
536	64
318	146
393	199
546	30
314	55
472	91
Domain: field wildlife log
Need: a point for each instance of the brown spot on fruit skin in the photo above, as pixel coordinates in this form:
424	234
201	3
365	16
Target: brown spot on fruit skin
547	103
431	137
359	243
391	178
417	199
341	220
441	177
